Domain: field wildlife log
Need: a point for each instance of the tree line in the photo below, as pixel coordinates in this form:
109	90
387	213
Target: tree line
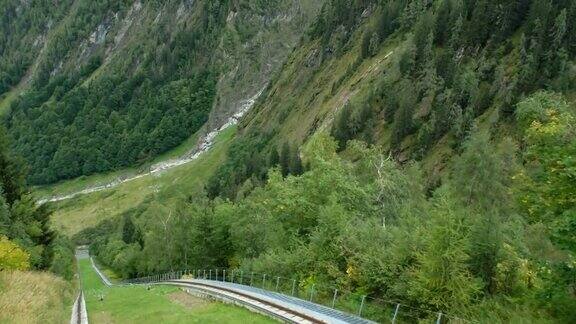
26	239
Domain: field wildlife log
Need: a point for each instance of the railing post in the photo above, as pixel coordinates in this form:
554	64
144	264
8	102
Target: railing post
224	276
204	274
277	283
395	314
334	298
251	278
216	274
361	305
439	319
293	286
210	275
232	276
263	281
312	292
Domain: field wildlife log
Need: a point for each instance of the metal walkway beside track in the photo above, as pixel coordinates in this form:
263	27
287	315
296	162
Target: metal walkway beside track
287	308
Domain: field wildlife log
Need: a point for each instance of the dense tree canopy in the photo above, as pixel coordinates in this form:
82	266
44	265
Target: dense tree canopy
103	114
26	239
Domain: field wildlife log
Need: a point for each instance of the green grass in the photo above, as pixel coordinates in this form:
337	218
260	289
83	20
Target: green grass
160	304
73	215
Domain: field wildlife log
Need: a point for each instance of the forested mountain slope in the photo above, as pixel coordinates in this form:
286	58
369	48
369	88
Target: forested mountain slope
412	76
113	83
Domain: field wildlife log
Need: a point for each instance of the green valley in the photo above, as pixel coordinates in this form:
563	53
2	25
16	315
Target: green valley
392	157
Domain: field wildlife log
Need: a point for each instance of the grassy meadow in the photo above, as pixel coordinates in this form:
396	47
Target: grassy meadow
85	211
160	304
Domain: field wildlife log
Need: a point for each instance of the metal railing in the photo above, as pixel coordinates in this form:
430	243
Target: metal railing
361	305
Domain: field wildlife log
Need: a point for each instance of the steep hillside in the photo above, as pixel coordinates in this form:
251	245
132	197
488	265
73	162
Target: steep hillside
118	83
23	37
412	76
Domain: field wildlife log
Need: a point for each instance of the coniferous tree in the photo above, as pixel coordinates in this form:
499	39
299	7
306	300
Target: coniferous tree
557	55
374	44
403	120
274	157
11	172
424	40
285	159
443	278
442	23
365	46
128	230
456	34
341	129
481	179
481	23
296	166
5	219
571	28
388	21
407	62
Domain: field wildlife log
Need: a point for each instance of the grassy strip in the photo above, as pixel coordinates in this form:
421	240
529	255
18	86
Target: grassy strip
34	297
160	304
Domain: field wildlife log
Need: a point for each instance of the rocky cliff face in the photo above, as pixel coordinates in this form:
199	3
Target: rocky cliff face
253	49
